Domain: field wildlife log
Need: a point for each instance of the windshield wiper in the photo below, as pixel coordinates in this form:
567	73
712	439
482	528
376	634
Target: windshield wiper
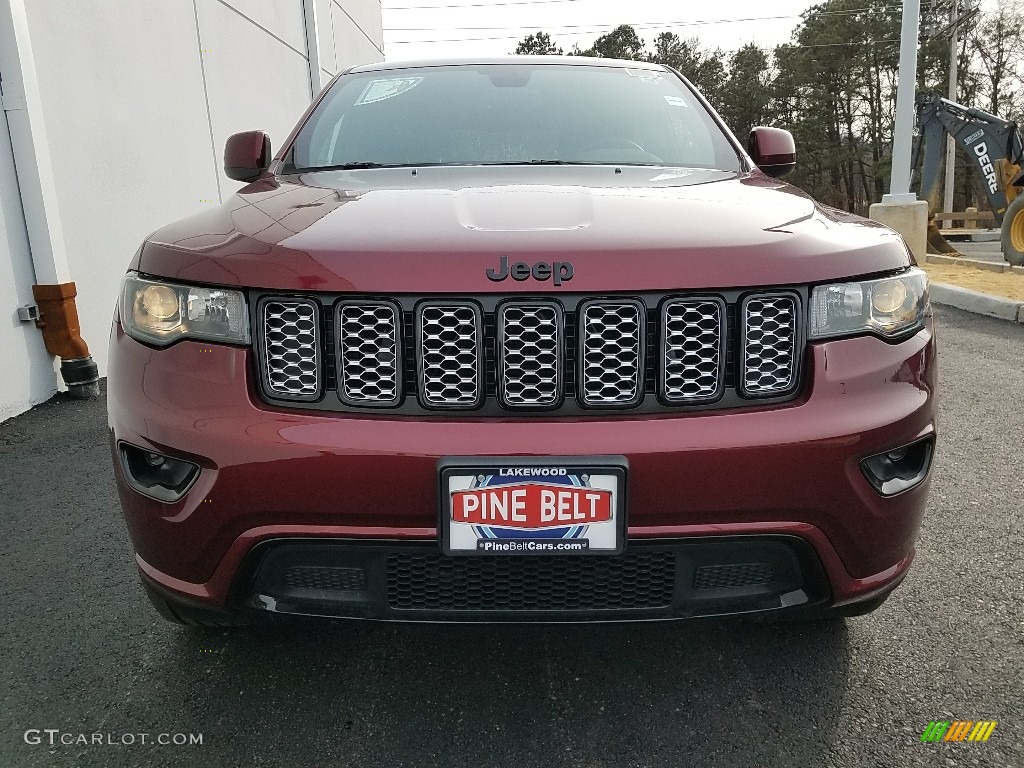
344	167
533	162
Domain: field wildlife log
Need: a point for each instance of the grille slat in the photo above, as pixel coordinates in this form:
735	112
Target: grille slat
325	578
450	343
611	353
291	348
693	350
369	353
732	575
769	345
530	359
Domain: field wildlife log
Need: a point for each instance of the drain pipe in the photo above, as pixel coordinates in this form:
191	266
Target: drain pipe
54	292
58	320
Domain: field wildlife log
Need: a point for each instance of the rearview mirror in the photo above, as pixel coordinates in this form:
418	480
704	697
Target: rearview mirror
246	155
773	150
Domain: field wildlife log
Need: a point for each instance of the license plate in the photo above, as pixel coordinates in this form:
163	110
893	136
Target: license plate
554	505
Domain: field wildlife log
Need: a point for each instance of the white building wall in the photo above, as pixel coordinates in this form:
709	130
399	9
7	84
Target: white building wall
20	343
138	99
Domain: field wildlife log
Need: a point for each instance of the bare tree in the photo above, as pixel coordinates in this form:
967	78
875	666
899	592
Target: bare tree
997	44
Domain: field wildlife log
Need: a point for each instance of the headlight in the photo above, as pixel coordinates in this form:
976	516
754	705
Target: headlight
161	313
890	307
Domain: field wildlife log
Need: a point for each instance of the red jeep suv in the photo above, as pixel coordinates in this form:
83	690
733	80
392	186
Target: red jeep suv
523	339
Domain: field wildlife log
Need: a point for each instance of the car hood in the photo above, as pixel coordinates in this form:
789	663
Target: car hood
439	229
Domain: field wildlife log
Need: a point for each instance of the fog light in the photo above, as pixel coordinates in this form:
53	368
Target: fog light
900	469
161	477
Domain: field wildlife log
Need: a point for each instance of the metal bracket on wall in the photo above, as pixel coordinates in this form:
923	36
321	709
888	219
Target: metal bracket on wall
29	313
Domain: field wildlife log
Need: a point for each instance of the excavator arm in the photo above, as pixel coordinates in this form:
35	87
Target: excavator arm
992	145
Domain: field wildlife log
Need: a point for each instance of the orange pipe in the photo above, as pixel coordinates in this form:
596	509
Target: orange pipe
58	320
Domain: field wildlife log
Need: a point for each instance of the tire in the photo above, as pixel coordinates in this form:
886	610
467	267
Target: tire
187	615
1012	239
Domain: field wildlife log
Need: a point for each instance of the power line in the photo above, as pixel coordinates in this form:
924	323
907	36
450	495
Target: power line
647	24
515	37
473	5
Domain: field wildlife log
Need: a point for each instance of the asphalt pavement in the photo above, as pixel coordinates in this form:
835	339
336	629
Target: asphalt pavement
82	652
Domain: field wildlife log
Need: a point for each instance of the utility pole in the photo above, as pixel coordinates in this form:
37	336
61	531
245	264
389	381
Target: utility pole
899	183
900	209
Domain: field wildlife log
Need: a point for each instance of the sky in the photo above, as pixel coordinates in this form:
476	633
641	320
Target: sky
423	29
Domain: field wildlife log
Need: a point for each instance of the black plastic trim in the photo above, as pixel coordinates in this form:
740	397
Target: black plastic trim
156	490
801	584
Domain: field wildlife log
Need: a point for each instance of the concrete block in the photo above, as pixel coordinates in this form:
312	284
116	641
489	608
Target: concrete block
971	223
988	236
909	219
1018	270
972	301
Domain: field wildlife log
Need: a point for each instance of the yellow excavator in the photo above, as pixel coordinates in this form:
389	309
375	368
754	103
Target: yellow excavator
994	150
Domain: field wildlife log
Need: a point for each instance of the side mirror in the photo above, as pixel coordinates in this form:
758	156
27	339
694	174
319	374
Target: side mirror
246	155
773	150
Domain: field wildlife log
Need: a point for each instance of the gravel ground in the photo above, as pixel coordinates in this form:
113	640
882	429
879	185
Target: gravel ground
83	652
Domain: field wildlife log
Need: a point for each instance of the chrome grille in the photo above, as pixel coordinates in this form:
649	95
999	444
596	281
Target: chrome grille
693	350
611	353
291	348
769	345
367	334
529	352
450	345
513	354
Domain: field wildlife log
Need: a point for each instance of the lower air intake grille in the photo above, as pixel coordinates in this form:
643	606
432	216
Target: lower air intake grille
431	582
318	577
733	575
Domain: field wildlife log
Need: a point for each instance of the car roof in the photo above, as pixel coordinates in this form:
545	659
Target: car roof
578	61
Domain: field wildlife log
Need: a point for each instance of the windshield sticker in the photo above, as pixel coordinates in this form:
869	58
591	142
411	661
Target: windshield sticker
676	101
378	90
645	75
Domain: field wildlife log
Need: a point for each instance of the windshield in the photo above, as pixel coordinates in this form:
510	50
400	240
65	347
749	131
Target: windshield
511	114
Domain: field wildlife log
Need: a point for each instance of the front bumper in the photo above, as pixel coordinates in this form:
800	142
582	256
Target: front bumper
270	475
413	581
